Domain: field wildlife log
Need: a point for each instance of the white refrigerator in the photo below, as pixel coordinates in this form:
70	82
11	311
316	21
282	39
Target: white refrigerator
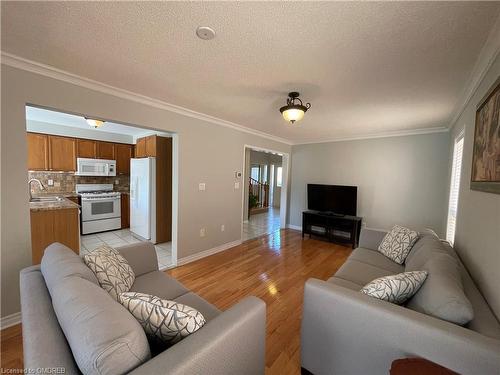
143	198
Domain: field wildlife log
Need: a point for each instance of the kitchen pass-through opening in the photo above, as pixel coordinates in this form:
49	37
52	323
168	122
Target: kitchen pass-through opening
95	182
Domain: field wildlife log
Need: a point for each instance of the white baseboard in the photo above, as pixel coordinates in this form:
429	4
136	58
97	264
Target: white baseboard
10	320
206	253
296	227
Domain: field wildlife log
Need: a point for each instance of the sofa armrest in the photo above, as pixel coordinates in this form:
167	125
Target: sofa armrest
371	238
141	256
231	343
347	332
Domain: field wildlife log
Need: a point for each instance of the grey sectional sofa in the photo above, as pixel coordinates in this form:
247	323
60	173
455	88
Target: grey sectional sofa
68	322
347	332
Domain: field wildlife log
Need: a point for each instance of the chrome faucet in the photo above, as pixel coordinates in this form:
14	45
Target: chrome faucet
39	184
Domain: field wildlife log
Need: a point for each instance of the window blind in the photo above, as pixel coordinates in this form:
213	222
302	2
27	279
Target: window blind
458	149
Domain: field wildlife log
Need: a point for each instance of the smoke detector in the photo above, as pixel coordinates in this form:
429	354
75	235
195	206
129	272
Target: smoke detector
205	32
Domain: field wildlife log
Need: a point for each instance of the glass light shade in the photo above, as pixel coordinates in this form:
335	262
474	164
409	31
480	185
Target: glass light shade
293	114
94	123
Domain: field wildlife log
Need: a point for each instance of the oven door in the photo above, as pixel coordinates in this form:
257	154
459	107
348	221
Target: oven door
100	208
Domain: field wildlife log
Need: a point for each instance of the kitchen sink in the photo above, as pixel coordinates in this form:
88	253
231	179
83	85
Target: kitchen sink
46	199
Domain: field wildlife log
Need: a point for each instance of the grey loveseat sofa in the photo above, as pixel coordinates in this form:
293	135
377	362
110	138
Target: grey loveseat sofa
66	319
347	332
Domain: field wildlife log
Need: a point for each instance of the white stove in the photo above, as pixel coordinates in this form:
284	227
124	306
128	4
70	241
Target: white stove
101	207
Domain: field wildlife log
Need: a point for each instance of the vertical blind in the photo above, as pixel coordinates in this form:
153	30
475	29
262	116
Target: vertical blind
454	188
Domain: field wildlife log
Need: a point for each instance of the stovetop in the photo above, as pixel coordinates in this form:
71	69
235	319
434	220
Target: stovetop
96	190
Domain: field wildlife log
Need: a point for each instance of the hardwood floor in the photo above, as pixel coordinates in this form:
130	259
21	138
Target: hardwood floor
272	267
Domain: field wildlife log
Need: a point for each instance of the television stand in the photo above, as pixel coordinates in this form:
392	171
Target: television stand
331	226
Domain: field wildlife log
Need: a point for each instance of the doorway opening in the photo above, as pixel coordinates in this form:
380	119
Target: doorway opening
121	178
264	193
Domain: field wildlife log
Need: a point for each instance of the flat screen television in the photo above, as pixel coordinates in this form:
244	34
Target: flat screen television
335	199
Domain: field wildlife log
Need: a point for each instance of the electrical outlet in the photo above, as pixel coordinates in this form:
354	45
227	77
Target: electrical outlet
117	182
57	184
236	185
222	228
202	232
50	182
201	186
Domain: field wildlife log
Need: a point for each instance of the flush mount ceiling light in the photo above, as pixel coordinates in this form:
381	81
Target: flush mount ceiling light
294	109
94	123
205	32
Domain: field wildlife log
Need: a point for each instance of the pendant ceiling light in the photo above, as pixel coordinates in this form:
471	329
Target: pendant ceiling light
294	109
94	123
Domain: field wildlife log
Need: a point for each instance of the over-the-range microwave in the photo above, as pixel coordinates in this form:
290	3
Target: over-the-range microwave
95	167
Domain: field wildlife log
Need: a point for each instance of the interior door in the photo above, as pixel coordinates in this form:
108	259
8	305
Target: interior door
140	197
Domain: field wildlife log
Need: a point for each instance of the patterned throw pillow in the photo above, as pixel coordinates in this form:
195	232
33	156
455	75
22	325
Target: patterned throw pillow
397	244
396	288
164	321
112	270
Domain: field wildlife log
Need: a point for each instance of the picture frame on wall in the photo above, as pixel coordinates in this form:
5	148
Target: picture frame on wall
485	174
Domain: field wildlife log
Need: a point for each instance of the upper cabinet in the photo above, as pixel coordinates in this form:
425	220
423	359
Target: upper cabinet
146	147
55	153
105	150
62	153
151	146
140	148
123	154
86	148
38	152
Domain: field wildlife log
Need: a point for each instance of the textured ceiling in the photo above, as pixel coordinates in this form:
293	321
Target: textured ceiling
366	68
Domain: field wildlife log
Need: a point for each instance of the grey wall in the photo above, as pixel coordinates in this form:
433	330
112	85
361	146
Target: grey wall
207	153
400	179
477	236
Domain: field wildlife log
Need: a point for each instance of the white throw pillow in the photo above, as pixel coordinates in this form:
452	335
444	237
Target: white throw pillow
162	320
112	270
397	244
396	288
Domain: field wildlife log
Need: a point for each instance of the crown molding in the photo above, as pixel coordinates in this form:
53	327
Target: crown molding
486	57
61	75
399	133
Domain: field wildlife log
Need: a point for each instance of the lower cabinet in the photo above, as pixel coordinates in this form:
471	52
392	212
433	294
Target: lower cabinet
49	226
125	209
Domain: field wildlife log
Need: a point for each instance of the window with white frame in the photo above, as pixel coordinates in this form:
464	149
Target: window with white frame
279	176
456	168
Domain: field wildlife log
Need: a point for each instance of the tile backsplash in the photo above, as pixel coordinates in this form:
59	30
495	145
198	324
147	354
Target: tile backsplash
64	182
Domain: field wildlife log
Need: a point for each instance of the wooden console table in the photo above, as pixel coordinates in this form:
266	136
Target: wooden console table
332	226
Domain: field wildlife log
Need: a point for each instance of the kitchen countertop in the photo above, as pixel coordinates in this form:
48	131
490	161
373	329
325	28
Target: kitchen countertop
63	204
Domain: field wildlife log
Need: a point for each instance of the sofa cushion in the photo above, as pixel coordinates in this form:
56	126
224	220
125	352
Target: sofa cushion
442	295
163	320
112	270
422	251
208	310
376	259
104	337
59	262
359	272
395	288
158	283
397	243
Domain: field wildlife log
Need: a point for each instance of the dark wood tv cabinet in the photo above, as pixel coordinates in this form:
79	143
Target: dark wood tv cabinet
335	228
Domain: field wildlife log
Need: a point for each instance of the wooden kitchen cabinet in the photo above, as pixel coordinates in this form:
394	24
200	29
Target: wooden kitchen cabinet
49	226
151	146
140	148
125	210
105	150
86	148
123	154
62	153
38	153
